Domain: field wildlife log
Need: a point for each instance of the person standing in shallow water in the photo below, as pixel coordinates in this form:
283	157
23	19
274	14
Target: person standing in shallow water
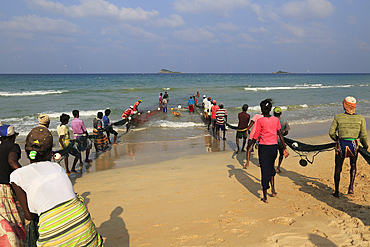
241	132
266	130
346	128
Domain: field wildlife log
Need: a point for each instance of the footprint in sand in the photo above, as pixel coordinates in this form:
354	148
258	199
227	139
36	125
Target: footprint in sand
283	221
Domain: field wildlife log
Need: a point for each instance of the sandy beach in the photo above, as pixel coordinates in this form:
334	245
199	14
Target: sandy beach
207	199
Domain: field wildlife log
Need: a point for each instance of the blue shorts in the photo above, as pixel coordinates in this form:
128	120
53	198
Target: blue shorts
220	126
347	148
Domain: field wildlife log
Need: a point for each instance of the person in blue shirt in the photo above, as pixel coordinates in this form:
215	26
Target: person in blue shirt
109	130
191	104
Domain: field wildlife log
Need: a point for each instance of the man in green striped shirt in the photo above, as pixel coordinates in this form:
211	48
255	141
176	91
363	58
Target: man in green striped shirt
346	129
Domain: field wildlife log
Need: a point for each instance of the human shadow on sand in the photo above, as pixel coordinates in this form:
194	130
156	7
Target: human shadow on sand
320	241
114	230
245	179
323	193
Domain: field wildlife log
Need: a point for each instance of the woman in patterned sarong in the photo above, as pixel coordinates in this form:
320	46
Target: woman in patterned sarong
12	231
101	141
43	188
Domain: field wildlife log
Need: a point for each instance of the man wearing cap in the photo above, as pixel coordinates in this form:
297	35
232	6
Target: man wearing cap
207	107
284	131
346	128
12	224
79	130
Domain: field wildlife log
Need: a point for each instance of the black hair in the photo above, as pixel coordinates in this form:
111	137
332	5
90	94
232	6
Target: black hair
191	97
277	114
64	118
245	107
221	106
107	112
266	106
100	115
75	113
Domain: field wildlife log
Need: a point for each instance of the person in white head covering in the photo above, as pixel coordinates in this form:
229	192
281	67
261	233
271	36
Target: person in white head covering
346	128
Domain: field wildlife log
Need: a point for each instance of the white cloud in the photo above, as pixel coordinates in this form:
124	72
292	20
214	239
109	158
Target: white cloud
227	26
221	7
257	30
265	13
195	35
308	9
33	23
131	31
294	30
246	37
96	8
174	21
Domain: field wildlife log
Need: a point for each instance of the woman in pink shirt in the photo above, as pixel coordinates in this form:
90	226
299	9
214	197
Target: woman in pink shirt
266	129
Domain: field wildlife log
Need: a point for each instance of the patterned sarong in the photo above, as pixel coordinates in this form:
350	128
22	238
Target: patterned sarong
12	232
101	141
68	224
347	148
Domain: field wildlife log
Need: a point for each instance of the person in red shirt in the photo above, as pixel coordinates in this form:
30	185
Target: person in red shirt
214	109
267	129
127	114
136	105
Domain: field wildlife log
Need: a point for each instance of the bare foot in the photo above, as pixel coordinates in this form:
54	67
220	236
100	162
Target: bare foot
88	161
115	143
237	151
274	193
278	170
336	194
264	200
245	166
243	151
350	191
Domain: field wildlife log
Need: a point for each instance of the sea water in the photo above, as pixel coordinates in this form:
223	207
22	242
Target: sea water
304	98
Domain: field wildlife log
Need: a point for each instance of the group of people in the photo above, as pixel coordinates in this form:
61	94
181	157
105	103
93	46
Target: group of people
163	101
269	132
216	116
44	192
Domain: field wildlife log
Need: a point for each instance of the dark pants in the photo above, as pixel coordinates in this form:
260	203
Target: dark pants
267	155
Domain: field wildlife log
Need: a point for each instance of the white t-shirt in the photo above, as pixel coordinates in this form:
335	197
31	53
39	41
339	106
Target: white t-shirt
45	183
207	105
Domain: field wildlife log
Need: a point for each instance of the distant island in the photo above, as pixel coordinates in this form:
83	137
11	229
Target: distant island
166	71
281	72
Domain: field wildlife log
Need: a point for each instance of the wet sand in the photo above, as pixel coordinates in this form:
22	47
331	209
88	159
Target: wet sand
183	194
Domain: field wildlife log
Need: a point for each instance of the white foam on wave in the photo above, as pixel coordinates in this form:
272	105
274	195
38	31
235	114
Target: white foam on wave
82	113
296	87
166	88
32	93
170	124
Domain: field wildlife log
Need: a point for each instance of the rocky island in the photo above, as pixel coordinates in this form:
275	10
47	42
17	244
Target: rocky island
166	71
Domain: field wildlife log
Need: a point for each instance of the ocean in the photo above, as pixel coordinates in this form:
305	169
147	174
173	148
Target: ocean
304	98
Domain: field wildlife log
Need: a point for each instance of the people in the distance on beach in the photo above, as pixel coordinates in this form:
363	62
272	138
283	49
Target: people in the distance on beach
241	132
207	108
64	141
166	96
101	141
127	115
221	117
191	104
346	128
12	222
213	110
267	129
195	101
136	106
160	99
108	126
44	120
44	189
284	130
79	130
251	134
164	105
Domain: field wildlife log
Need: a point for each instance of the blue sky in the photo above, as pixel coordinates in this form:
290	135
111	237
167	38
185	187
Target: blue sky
248	36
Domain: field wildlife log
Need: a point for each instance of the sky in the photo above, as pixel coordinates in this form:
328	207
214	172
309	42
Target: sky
191	36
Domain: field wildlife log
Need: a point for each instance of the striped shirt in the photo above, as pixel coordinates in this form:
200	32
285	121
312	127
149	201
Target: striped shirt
220	116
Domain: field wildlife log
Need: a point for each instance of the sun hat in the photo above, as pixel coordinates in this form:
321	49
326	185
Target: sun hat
277	110
39	139
214	101
350	99
140	101
131	106
204	96
7	130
